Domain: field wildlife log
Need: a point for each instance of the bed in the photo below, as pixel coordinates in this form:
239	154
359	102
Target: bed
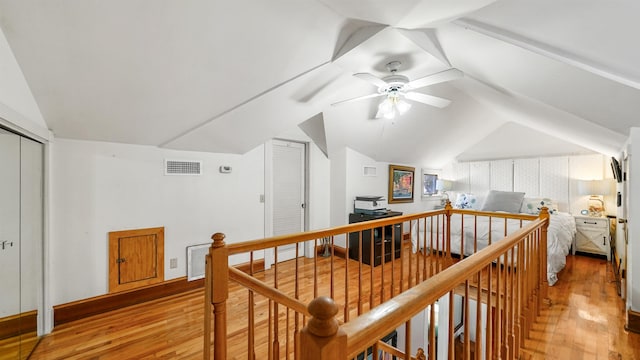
560	235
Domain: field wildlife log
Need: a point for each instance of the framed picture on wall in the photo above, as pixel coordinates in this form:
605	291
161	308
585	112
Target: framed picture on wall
429	184
401	179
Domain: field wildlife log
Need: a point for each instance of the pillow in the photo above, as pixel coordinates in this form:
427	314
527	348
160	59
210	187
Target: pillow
465	201
534	205
503	201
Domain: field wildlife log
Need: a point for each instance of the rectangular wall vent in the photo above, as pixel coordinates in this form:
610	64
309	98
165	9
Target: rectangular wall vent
369	171
182	167
196	261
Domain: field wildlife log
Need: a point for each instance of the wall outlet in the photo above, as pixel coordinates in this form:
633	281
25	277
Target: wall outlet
173	263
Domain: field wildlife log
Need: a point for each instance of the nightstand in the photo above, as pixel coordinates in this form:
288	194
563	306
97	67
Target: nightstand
593	236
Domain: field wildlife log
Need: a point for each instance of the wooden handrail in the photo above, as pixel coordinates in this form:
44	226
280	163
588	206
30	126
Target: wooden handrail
263	289
261	244
387	316
509	216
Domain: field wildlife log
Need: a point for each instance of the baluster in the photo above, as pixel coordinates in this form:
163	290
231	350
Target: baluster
360	278
490	313
451	331
518	316
462	233
479	314
544	284
467	332
407	337
207	307
371	263
251	316
346	284
498	330
296	315
448	210
432	331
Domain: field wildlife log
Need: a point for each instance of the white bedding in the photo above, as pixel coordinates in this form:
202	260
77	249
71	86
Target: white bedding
560	235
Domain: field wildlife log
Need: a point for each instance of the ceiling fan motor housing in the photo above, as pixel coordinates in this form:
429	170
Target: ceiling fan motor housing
394	83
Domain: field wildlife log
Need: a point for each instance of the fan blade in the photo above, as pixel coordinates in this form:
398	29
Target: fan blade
428	99
371	79
442	76
357	98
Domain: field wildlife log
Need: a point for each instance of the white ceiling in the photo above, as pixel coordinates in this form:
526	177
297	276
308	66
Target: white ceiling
226	76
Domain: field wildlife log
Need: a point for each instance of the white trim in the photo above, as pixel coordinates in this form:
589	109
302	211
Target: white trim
547	51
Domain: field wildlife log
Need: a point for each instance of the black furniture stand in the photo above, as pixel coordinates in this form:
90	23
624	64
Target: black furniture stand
390	231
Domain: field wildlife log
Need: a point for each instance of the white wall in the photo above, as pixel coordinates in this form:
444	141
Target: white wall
338	186
101	187
358	184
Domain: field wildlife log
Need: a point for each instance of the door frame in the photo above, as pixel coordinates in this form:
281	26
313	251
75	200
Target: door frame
268	195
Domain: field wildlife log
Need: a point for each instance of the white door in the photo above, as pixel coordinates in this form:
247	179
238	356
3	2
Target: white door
288	193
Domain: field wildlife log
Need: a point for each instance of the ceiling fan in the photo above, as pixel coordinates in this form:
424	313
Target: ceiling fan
396	87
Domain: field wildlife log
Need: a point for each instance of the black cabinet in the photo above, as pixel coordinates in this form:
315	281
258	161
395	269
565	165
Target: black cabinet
389	232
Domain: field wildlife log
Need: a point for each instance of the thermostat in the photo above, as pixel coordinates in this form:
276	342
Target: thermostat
225	169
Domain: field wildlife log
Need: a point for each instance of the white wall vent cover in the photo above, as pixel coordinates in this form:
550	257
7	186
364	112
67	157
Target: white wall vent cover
182	167
195	261
369	171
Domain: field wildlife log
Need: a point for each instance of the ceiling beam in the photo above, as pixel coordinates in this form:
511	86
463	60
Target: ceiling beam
548	51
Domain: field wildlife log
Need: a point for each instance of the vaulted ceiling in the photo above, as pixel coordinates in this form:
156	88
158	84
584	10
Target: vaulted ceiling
544	77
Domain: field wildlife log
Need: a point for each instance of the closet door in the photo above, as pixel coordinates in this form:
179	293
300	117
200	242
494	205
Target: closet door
31	236
9	244
21	235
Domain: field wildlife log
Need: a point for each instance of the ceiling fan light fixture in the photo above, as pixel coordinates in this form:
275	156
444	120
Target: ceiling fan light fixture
402	106
385	109
391	106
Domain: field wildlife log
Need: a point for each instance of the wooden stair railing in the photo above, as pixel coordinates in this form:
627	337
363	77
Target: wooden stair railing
529	243
420	271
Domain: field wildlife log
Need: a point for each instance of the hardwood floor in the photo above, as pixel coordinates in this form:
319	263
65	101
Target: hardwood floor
584	321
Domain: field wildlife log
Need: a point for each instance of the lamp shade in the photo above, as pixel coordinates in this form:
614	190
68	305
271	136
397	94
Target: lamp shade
444	185
596	187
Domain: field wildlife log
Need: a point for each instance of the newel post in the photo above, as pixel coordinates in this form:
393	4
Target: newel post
322	338
218	292
544	281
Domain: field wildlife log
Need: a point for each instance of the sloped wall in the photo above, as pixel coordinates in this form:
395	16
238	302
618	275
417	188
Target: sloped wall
18	108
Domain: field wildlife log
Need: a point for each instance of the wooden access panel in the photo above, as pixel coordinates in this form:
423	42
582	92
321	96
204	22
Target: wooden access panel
136	258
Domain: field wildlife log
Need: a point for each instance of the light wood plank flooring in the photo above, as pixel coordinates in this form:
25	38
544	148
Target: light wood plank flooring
585	321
